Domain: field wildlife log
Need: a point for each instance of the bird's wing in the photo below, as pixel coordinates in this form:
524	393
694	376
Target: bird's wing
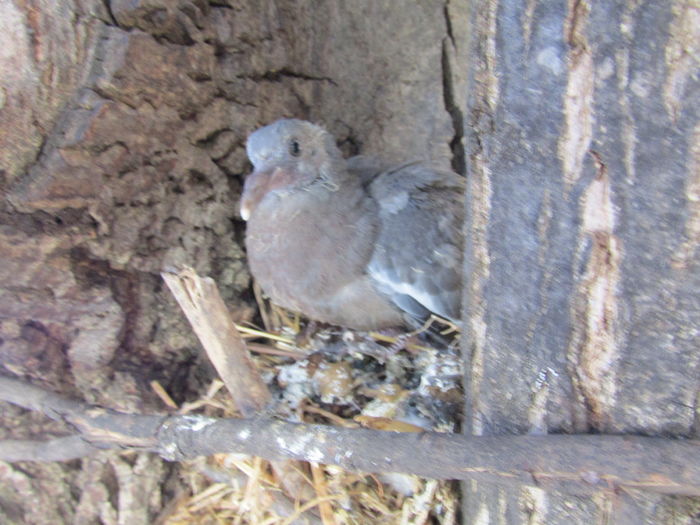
417	259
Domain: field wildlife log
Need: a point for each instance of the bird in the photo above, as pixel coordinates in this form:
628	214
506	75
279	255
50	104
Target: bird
359	243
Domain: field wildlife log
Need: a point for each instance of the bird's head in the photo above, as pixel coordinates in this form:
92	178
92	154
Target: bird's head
290	155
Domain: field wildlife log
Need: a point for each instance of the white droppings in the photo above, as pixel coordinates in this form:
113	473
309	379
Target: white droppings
295	380
169	450
197	423
314	455
298	446
441	373
244	434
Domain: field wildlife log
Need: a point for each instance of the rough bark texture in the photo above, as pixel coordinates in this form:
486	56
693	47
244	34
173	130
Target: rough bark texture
121	152
583	270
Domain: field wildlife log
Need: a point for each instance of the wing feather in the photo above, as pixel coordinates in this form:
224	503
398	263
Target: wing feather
417	260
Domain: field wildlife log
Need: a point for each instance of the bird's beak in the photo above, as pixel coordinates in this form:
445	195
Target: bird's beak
254	189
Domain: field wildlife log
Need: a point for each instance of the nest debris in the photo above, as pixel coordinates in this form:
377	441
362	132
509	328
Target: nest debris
387	381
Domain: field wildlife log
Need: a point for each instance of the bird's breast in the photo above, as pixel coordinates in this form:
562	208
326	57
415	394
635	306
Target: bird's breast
307	252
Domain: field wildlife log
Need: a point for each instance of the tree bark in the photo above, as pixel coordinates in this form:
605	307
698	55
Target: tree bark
123	124
583	277
122	152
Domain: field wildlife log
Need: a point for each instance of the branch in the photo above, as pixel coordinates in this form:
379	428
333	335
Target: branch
103	427
59	449
578	464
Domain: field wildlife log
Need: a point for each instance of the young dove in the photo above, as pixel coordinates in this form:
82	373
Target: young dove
356	243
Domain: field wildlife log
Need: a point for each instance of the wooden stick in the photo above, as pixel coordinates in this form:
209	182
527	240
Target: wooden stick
58	449
200	300
577	464
324	506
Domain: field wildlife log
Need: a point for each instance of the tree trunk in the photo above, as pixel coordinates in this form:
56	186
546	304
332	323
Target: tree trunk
582	302
122	153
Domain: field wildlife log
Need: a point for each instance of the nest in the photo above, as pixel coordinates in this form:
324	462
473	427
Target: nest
386	381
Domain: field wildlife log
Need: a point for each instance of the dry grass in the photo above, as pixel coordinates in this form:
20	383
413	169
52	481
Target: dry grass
334	389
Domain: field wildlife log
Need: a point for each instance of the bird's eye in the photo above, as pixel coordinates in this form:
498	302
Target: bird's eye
294	148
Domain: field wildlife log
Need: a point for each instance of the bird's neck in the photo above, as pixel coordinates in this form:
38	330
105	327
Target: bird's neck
334	182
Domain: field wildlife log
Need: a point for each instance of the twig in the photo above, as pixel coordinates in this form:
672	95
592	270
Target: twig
252	332
271	350
321	488
59	449
163	395
579	464
337	420
200	300
377	336
262	307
